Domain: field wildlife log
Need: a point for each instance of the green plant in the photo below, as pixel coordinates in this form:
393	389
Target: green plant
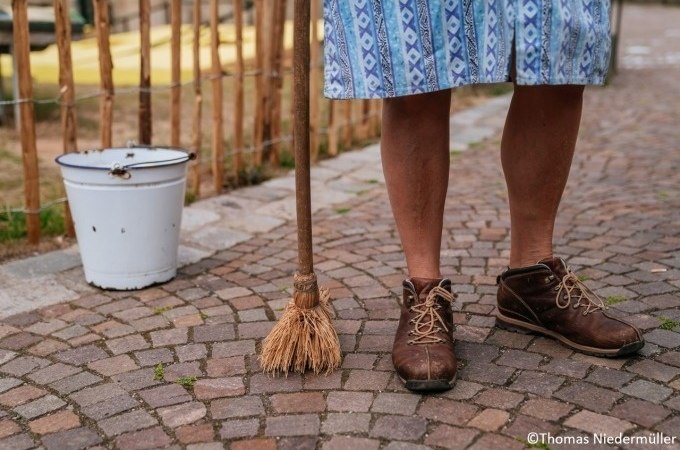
614	299
159	372
372	181
187	382
189	197
583	277
161	309
286	160
455	153
343	210
13	224
203	315
667	323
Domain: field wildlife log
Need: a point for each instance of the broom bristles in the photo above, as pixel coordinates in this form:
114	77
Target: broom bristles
303	338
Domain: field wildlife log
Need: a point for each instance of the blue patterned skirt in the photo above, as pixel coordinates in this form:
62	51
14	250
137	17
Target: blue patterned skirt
388	48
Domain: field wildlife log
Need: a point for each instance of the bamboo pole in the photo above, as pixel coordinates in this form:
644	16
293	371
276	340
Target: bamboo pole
277	80
238	81
29	152
197	136
145	127
176	93
101	8
314	82
260	51
69	126
217	92
334	113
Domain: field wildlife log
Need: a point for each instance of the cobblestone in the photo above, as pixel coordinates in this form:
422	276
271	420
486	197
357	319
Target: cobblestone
84	373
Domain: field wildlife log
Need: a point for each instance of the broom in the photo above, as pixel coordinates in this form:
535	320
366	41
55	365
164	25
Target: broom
304	337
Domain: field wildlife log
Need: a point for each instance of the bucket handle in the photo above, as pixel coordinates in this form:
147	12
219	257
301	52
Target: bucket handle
121	171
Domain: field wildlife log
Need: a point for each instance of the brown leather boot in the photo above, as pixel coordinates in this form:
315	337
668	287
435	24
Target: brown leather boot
548	298
423	346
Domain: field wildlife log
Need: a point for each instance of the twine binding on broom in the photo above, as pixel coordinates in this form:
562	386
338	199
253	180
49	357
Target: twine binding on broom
304	337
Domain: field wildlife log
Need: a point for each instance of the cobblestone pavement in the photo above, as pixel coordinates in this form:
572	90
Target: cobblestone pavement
86	373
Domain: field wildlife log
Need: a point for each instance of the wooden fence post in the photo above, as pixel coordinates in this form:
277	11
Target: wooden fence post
101	8
260	51
238	97
216	74
277	54
198	102
176	93
69	126
315	75
145	127
28	145
333	119
347	125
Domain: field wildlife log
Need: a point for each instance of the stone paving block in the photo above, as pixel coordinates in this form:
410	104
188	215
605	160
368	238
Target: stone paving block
394	403
647	391
446	436
146	439
74	382
349	401
323	381
345	442
363	380
76	438
165	395
240	347
190	434
293	425
182	414
238	428
597	423
399	427
154	357
23	365
213	333
300	402
110	407
37	408
537	383
523	425
8	427
210	388
21	395
90	396
130	421
654	370
447	411
498	398
173	336
336	423
546	409
63	420
490	419
113	366
127	344
262	383
589	396
226	408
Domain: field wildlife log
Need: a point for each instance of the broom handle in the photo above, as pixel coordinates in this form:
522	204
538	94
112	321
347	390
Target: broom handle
301	132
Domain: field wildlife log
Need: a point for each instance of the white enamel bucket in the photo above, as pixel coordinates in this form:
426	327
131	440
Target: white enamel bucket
126	205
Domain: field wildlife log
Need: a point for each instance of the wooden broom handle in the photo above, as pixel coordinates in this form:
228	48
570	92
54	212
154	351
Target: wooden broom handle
301	51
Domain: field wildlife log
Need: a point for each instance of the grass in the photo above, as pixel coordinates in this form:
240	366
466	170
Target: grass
583	277
343	210
614	299
187	382
668	324
372	181
161	309
13	224
159	372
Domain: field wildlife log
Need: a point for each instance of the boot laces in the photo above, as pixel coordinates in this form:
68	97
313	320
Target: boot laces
571	288
428	321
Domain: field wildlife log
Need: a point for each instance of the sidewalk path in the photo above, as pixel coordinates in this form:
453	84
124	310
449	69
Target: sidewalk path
78	366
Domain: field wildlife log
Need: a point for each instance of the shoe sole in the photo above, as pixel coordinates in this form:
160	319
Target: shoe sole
429	385
519	326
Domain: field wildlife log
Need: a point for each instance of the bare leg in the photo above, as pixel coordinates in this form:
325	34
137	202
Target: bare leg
415	158
536	152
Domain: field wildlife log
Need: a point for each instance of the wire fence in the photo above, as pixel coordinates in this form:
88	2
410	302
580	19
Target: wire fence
333	127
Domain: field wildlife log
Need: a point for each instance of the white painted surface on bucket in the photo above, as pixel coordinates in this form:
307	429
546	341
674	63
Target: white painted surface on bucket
127	225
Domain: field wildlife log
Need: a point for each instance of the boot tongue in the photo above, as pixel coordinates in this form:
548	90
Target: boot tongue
425	284
557	265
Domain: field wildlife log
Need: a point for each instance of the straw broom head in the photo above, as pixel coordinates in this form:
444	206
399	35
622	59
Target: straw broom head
304	337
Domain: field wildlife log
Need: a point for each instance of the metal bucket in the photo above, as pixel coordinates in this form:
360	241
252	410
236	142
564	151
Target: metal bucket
126	205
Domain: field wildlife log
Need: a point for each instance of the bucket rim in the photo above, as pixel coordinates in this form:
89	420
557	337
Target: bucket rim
187	156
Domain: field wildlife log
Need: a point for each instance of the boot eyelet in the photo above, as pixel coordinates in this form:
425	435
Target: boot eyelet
548	280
